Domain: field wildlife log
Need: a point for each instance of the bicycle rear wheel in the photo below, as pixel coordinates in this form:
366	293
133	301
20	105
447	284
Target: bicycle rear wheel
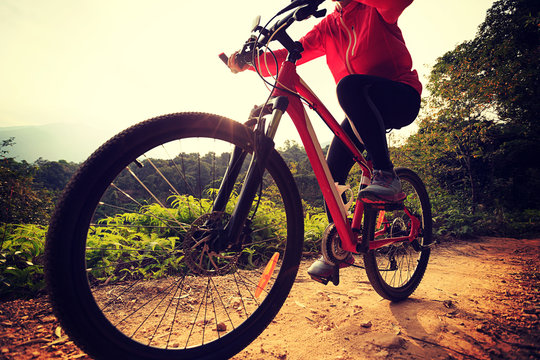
132	262
396	270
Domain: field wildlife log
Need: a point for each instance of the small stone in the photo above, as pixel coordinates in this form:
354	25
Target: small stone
221	326
48	319
449	304
388	341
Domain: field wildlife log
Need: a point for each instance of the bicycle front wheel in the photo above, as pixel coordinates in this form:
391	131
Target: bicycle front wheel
396	270
137	260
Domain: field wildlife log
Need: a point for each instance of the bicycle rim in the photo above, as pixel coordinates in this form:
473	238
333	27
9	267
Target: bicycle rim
141	276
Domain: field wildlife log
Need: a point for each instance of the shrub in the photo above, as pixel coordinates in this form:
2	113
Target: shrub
21	254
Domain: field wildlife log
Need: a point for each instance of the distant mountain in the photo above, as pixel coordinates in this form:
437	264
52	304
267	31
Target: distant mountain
70	142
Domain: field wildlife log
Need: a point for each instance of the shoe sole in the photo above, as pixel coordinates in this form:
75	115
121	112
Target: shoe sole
371	198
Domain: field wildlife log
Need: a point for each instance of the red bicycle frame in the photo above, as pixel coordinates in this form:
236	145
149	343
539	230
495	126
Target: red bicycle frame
288	79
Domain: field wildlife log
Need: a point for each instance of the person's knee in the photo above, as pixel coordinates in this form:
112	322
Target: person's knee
351	91
347	86
344	84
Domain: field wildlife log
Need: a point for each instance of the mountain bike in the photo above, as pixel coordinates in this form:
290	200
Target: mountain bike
181	237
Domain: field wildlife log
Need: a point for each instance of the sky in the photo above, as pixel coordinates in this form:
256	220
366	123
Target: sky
109	64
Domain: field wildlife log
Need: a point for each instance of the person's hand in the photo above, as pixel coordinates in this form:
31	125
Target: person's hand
234	66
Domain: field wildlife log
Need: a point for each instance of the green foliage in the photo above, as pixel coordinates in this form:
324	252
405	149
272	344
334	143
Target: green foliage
454	218
135	245
525	223
21	252
451	216
315	222
122	252
132	245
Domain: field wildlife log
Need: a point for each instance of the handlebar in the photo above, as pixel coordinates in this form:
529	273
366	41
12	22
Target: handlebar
294	4
304	10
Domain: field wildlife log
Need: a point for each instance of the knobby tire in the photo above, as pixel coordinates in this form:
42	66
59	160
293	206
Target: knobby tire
176	296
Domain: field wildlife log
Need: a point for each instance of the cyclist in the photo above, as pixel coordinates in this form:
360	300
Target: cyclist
376	87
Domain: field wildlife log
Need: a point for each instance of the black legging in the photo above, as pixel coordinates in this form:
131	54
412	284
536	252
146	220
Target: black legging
372	104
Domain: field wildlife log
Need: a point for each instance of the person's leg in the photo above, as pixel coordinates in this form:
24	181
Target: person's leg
339	158
373	105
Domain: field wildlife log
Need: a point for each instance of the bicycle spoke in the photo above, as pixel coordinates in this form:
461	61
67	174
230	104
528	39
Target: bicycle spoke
161	174
173	321
164	221
154	197
152	312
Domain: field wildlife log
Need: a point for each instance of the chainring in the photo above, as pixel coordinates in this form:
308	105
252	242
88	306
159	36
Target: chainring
331	246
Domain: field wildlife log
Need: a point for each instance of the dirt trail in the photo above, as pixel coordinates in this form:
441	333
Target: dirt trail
478	300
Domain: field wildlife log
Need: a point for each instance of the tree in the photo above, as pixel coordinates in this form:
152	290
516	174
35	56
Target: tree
481	123
53	175
506	52
508	49
19	201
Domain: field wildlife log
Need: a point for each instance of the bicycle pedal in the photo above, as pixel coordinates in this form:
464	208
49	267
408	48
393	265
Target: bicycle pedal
322	280
323	272
334	279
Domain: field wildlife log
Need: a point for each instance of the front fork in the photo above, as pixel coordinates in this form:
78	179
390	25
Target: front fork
262	147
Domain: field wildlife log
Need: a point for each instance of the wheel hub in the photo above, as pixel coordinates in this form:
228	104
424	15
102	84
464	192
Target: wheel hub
201	254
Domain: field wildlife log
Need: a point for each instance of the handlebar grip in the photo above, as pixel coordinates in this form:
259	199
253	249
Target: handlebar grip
224	58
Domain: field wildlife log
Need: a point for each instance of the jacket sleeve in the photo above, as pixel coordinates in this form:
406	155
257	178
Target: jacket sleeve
313	48
390	10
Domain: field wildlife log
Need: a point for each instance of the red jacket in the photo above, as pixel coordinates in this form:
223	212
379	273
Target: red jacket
361	38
